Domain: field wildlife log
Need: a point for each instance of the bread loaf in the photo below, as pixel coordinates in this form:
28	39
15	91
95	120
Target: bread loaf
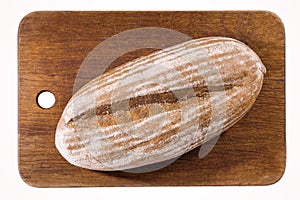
160	106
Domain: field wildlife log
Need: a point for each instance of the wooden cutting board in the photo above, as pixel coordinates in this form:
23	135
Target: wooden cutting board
52	48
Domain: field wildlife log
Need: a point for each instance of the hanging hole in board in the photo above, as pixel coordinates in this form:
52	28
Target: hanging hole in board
45	99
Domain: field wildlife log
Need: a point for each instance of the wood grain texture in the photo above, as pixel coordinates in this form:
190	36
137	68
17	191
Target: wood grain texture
52	46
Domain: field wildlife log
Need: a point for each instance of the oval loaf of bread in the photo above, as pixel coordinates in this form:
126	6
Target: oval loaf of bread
160	106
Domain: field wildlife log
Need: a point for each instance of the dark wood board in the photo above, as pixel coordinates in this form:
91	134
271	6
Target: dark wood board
53	45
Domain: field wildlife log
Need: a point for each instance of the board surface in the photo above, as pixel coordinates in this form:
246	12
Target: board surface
51	49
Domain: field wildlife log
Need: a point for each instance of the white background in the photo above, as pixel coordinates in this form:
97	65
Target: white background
12	186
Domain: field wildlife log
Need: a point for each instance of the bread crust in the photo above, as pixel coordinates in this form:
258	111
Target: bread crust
160	106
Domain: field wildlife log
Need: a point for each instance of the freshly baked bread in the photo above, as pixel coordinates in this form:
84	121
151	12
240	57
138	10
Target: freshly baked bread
160	106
